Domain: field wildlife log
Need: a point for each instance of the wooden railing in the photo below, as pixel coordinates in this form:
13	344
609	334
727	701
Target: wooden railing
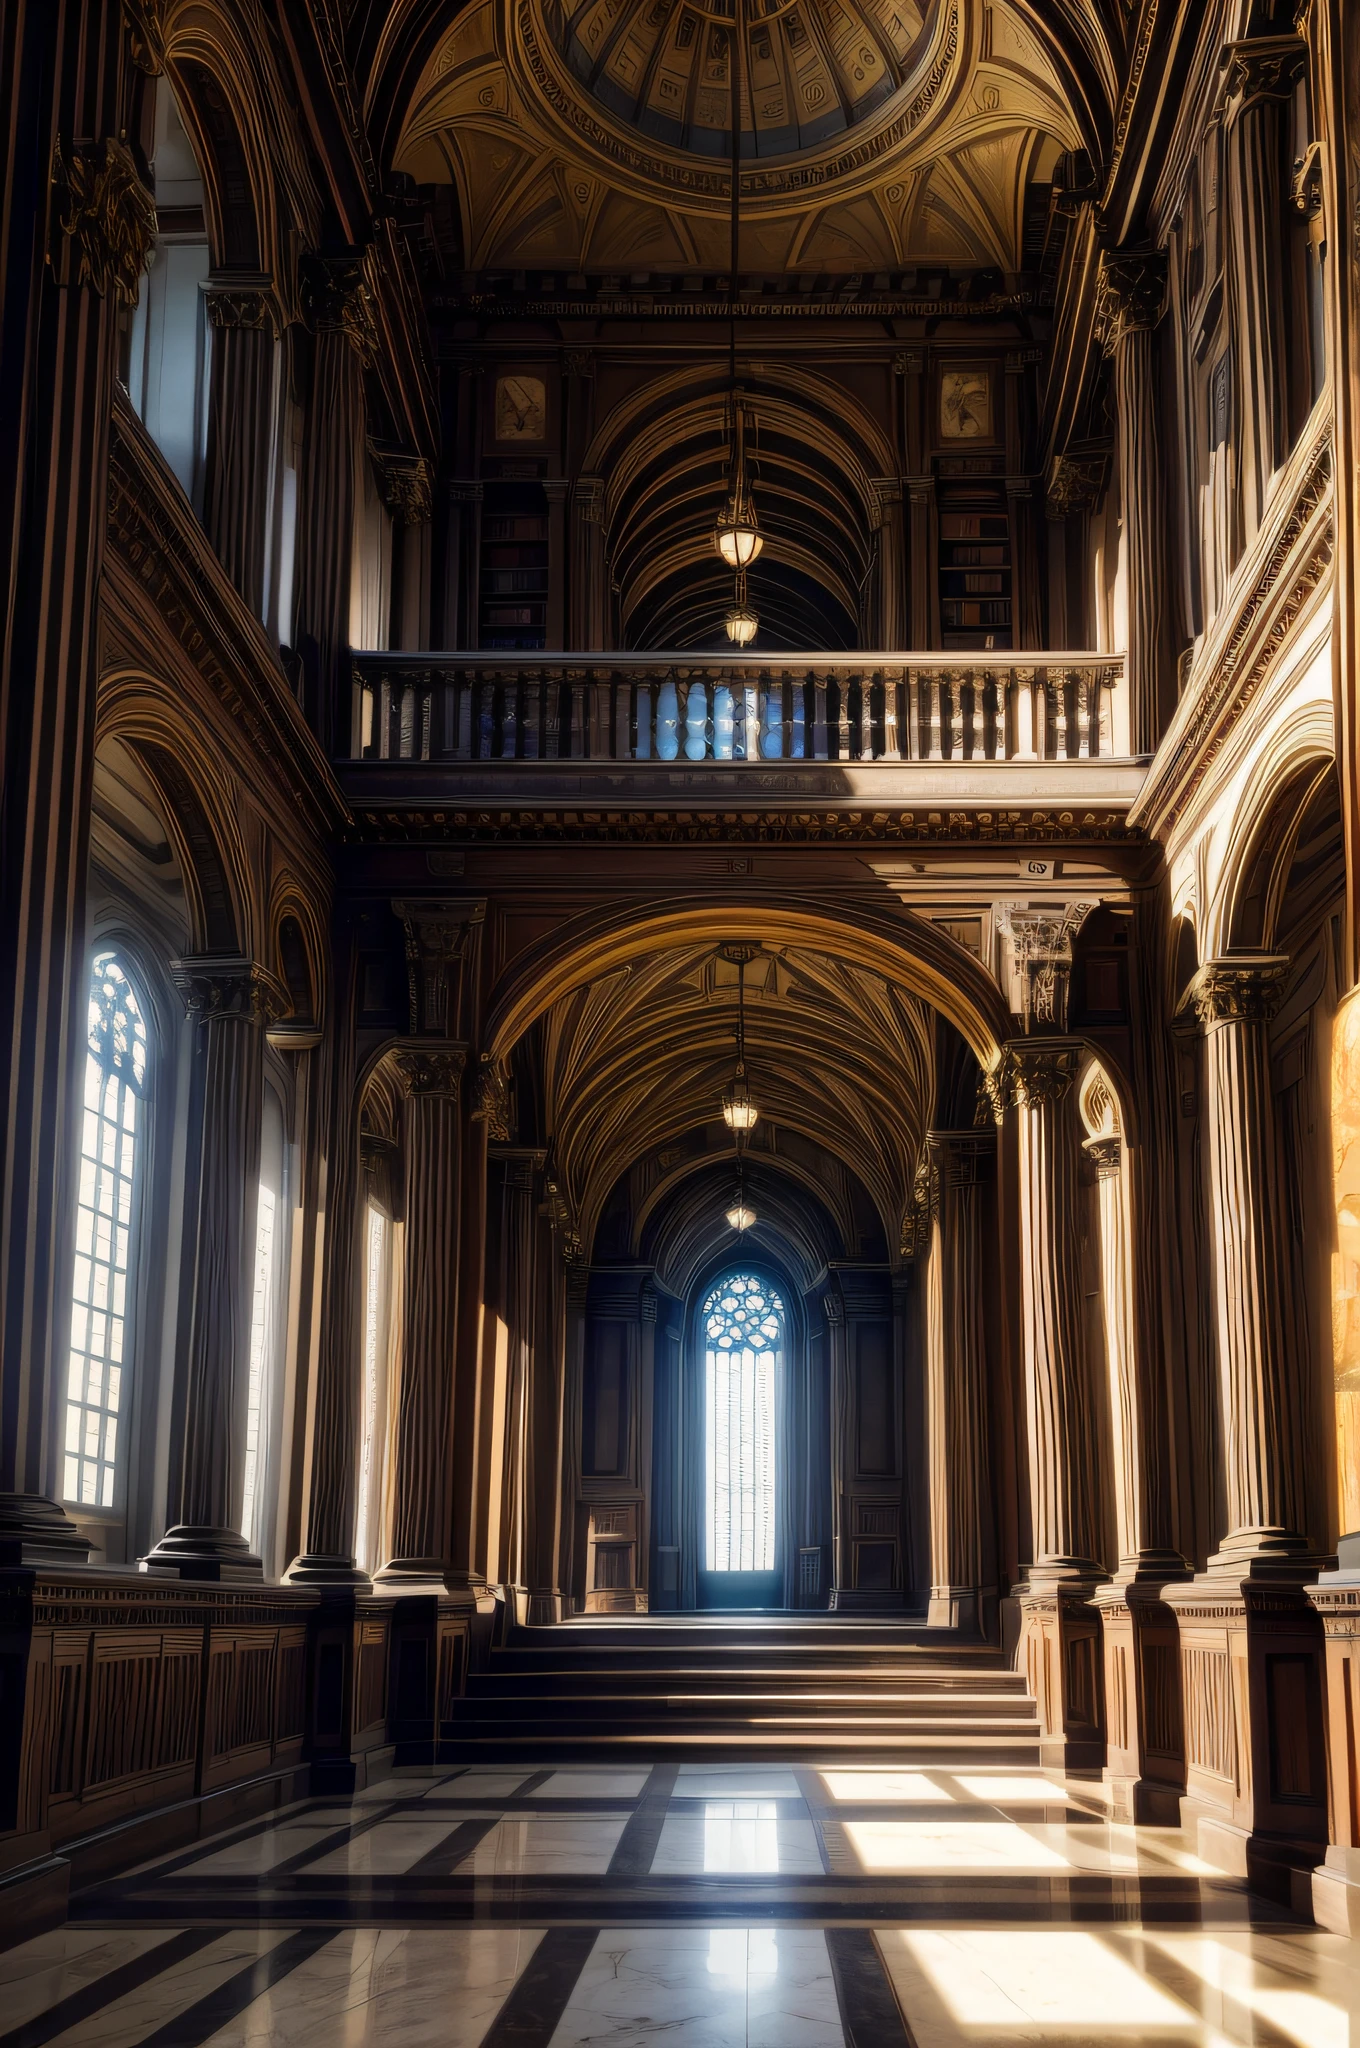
905	707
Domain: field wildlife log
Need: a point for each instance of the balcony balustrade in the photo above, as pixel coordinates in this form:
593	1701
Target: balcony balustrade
489	708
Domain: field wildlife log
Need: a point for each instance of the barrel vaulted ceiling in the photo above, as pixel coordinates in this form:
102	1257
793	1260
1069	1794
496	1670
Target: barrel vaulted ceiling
590	134
638	1060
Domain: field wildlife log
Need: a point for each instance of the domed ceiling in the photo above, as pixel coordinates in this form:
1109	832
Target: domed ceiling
813	67
590	134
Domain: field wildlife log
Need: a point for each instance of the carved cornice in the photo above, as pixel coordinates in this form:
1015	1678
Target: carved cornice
963	1159
427	1068
163	581
414	823
1130	294
491	1100
1263	68
1241	656
106	214
1245	990
1033	1072
437	938
216	985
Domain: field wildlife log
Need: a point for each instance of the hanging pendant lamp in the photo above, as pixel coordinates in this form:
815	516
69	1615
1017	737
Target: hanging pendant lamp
740	1113
737	535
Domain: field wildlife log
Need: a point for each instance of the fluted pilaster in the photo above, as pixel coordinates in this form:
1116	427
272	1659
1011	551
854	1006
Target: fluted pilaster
327	498
230	1000
1131	294
432	1075
241	434
961	1162
1259	81
1037	1077
1260	1386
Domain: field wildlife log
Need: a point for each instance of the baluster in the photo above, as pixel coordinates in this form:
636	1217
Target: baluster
1059	681
552	715
598	741
956	714
530	715
772	722
724	723
382	723
510	715
1020	736
798	719
752	735
979	681
913	715
1084	703
843	687
866	718
933	719
696	722
892	689
667	719
446	730
1108	683
819	714
361	740
408	722
642	742
579	731
464	742
426	719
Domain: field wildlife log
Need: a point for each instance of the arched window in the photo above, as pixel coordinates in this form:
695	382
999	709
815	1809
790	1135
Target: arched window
743	1326
116	1068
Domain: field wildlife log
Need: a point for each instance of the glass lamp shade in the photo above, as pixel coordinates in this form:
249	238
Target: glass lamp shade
741	1216
742	625
739	1111
737	538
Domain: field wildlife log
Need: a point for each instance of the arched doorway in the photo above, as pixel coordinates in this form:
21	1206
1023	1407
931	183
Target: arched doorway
741	1341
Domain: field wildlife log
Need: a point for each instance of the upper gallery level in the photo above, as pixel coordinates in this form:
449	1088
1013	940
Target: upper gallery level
896	395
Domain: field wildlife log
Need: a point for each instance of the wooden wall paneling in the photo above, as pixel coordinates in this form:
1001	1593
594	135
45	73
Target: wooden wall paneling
1335	1888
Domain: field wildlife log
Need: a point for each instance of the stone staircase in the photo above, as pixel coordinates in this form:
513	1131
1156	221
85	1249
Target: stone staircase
734	1686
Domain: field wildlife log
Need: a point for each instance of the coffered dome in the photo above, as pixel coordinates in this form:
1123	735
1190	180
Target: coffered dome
814	68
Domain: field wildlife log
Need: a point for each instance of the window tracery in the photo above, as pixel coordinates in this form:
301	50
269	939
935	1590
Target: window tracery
743	1326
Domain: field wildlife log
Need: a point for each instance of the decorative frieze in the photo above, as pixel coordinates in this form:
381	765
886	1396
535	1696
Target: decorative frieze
431	1069
1037	950
234	306
106	214
1246	989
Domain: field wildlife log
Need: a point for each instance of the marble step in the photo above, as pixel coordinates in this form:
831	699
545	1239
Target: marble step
508	1675
491	1715
484	1691
463	1741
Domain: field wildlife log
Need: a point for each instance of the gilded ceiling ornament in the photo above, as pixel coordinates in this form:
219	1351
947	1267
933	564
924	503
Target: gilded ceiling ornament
1130	293
106	213
1248	990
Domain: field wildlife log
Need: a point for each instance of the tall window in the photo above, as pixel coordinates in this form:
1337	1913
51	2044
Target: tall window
115	1088
268	1303
743	1321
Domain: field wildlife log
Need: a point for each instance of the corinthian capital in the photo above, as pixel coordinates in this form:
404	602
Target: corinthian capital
228	985
1130	293
491	1100
336	300
1033	1072
106	214
1263	68
1245	988
437	938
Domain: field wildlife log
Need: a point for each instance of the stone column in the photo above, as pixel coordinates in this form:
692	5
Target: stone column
546	1423
892	565
1131	291
337	308
1259	1378
231	1000
407	484
74	244
923	534
961	1163
242	431
1037	1078
1258	84
431	1073
589	568
512	1362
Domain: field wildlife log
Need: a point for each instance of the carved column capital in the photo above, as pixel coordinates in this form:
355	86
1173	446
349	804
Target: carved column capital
491	1100
429	1069
438	935
1130	293
921	1207
1262	68
962	1159
1033	1072
406	481
1106	1155
1037	957
520	1164
562	1217
1244	990
1076	483
228	985
336	299
106	214
146	34
241	302
376	1151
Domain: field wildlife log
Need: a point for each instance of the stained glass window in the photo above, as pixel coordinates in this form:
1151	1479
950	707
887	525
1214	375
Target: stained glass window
743	1323
115	1083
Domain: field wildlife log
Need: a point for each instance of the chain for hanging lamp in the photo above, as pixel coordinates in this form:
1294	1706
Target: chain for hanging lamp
738	1106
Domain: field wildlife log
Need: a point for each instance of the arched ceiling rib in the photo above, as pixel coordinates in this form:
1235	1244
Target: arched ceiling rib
638	1059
